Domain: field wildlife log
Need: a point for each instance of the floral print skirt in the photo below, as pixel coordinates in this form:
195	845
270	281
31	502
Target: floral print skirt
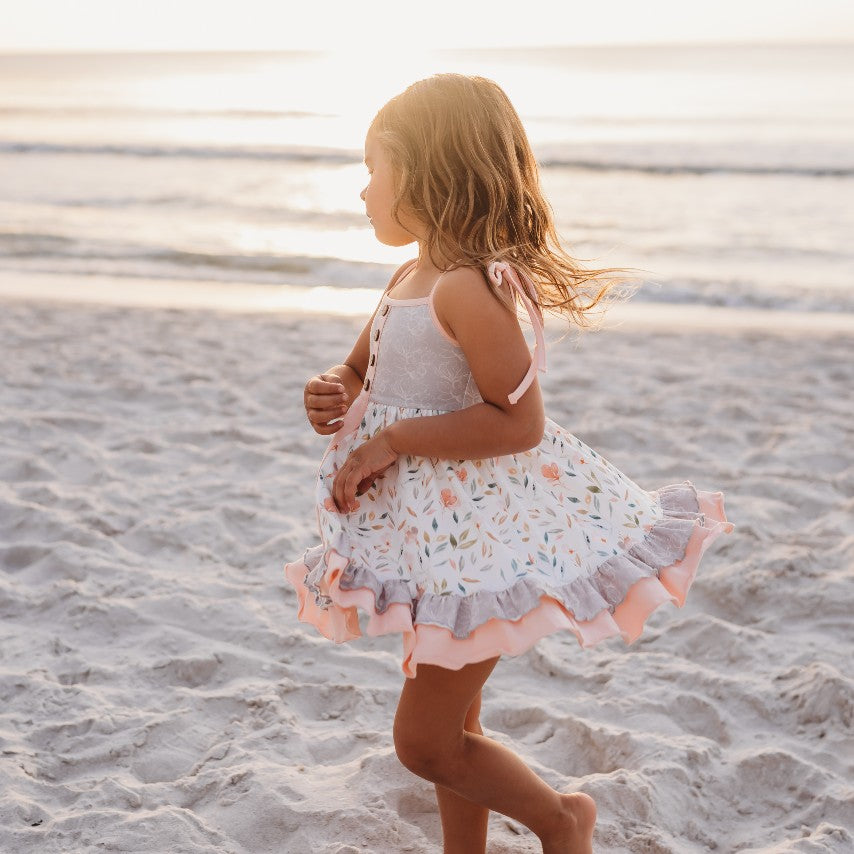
468	559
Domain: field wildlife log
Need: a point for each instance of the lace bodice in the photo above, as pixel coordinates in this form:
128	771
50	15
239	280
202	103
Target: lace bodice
415	364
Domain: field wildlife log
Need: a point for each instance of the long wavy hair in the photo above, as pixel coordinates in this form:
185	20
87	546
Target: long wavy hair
465	169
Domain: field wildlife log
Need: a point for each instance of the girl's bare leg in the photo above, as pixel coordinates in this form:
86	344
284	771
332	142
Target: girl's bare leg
464	823
431	740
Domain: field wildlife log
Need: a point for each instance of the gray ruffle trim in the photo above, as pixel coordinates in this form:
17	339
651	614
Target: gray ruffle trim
606	587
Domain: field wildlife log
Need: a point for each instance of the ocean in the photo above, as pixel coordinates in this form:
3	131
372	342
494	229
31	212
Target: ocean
724	172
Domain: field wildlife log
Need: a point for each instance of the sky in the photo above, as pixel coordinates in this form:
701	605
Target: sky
367	28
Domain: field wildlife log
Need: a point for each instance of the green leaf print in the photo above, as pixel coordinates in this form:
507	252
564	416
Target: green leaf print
435	525
593	489
468	544
454	516
453	541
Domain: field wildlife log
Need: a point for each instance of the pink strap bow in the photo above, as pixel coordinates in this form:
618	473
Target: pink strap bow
497	272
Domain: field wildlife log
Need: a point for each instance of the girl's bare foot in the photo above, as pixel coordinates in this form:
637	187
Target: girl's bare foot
573	834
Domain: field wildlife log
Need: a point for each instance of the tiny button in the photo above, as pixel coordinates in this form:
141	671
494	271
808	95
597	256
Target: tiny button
373	358
367	384
385	310
377	335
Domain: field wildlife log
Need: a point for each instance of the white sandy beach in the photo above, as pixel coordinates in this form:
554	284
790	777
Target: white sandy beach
157	693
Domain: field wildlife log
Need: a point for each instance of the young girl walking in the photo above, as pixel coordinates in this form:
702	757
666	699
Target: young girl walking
450	509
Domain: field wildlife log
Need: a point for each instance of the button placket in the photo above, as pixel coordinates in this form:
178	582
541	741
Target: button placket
369	373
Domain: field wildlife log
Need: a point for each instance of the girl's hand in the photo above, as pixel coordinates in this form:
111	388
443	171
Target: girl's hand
325	398
358	472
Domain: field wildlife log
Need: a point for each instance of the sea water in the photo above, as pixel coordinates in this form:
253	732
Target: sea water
724	173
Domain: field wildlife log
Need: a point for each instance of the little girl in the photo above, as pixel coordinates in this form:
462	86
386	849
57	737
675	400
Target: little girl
451	509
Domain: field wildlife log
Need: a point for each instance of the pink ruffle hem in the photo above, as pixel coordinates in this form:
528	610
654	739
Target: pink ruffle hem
429	644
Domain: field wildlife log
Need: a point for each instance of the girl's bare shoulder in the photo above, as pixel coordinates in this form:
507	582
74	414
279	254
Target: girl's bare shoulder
473	311
466	293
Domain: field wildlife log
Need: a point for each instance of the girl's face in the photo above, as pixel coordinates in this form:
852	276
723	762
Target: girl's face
378	196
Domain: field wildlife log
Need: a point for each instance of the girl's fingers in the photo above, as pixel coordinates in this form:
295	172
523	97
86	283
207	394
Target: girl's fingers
326	401
344	487
325	384
323	416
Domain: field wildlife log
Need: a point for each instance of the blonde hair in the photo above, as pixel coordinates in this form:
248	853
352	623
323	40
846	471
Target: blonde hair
466	170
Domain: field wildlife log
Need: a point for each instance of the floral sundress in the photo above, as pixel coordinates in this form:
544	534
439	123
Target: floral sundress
468	559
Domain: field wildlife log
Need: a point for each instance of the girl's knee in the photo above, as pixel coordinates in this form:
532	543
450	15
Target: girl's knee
426	755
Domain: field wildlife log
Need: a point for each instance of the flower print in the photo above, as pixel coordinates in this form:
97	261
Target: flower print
356	506
411	534
448	498
551	472
462	475
625	541
587	498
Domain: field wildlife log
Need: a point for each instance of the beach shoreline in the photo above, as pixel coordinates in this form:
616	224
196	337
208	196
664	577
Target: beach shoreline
322	302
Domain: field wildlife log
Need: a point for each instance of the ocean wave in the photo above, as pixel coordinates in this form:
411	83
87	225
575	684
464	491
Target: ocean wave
48	253
662	160
89	110
299	155
279	213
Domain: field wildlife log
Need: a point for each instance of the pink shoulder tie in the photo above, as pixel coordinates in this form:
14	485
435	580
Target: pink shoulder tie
497	272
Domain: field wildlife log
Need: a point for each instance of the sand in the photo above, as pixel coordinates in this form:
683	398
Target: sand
157	693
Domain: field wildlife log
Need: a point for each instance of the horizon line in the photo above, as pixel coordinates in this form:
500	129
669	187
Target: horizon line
846	42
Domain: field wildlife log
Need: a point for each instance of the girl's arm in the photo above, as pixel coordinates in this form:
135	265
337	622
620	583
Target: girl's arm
498	357
474	433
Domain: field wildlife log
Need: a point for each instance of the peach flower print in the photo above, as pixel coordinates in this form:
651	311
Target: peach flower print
551	472
462	475
448	498
411	534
